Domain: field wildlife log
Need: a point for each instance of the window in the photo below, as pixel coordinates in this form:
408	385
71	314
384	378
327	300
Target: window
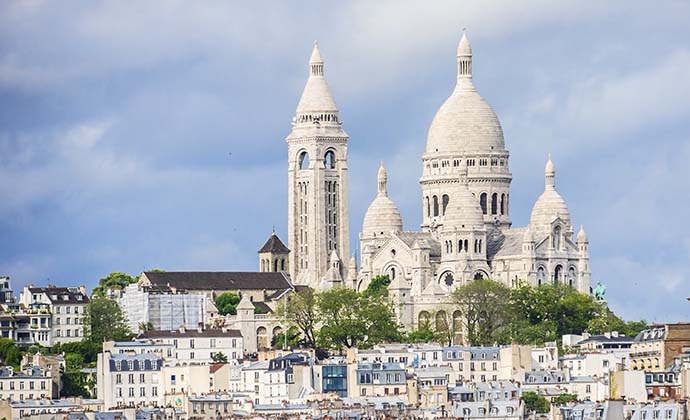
131	392
445	199
191	343
118	378
142	391
329	160
482	202
435	198
304	160
494	203
213	342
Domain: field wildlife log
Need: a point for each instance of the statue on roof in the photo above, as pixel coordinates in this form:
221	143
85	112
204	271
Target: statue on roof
599	291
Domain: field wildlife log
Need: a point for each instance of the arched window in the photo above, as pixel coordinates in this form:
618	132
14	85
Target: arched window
445	200
557	237
540	276
441	321
329	160
557	273
479	275
275	265
503	204
435	206
467	245
571	276
428	206
392	271
282	264
460	246
494	203
304	160
482	202
423	319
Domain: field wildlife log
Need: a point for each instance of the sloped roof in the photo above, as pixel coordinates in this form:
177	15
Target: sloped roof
274	245
220	280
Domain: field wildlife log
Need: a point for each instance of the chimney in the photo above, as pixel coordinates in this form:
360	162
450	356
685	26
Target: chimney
82	289
614	334
607	334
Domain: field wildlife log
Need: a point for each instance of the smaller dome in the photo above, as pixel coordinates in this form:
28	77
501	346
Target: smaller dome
550	203
383	215
463	210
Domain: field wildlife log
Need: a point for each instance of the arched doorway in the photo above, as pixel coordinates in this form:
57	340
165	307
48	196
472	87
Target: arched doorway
261	338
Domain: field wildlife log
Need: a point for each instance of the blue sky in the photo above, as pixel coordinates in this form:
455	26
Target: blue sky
151	134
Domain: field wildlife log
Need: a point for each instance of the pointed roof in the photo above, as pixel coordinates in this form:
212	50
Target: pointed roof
274	245
316	55
245	303
316	96
581	235
464	47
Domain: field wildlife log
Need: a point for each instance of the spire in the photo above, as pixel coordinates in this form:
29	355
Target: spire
464	57
550	174
383	180
316	97
316	61
581	235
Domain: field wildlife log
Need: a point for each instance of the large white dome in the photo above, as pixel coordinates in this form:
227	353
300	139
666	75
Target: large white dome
465	122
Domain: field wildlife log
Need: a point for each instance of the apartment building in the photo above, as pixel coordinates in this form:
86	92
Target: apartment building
30	383
56	314
198	345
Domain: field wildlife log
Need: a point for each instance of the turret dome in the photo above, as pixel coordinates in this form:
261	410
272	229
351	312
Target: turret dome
383	215
465	122
550	203
464	211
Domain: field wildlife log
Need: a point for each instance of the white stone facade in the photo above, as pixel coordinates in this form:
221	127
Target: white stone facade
466	232
318	219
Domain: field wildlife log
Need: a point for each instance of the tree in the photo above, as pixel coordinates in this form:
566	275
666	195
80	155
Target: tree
115	280
219	358
535	403
564	399
302	313
104	320
378	286
351	319
293	338
227	302
483	304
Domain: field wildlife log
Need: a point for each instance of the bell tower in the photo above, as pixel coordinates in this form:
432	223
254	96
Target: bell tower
318	217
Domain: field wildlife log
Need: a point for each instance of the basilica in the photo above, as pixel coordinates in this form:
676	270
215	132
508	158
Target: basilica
466	232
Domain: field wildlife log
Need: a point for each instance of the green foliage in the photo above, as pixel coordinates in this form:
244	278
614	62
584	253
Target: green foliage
544	313
227	302
145	326
87	349
351	319
607	321
219	358
301	312
420	335
74	361
74	384
293	338
9	353
564	399
485	311
378	286
104	320
260	310
115	281
535	403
